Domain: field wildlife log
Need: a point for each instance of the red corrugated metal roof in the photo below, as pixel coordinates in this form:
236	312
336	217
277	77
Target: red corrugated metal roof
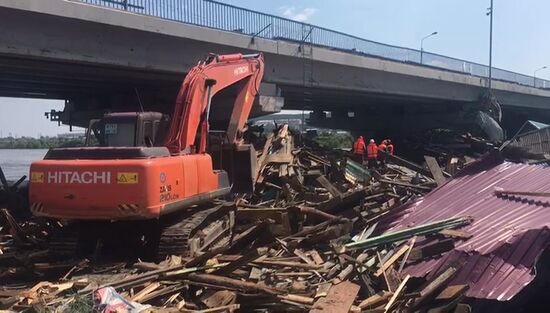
508	234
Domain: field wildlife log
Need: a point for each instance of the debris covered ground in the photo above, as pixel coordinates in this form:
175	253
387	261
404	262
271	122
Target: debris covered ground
320	233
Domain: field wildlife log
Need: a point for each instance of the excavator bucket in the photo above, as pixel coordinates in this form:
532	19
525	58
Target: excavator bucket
239	161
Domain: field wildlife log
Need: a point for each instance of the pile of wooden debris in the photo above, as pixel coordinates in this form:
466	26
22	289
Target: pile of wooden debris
306	240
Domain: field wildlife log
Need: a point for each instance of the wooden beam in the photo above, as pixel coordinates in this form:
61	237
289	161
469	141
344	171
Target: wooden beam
396	293
230	283
260	165
145	291
435	284
392	260
436	171
375	300
406	257
451	292
323	181
388	284
289	264
456	233
396	183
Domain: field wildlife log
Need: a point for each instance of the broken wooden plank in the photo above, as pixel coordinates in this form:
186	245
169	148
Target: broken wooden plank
348	199
255	273
225	308
402	184
300	287
397	293
145	291
303	256
392	260
279	158
317	213
452	292
226	282
331	232
219	298
343	275
375	300
289	264
292	274
406	257
456	233
338	300
316	257
322	290
297	298
436	171
434	285
393	277
388	284
323	181
238	242
163	292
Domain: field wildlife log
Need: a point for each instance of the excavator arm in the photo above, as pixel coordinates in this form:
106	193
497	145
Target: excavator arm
194	97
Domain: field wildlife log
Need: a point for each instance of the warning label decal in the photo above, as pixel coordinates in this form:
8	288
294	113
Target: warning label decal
127	178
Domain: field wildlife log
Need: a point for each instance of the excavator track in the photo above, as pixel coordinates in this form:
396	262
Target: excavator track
64	242
187	237
196	233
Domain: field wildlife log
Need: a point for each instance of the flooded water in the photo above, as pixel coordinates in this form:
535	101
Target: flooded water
16	162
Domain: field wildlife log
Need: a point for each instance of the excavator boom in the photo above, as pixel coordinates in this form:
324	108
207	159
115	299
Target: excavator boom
200	85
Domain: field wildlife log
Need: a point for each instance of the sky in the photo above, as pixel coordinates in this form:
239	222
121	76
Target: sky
519	43
25	117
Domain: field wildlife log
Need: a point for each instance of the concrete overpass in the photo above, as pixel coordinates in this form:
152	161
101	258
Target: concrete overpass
100	58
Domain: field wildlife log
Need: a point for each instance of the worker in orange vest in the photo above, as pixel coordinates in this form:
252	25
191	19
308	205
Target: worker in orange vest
372	154
384	148
359	149
390	146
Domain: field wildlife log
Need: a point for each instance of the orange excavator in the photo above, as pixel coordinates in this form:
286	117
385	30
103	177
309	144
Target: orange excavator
145	175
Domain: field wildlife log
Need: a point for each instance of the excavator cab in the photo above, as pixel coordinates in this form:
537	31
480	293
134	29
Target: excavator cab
128	129
147	130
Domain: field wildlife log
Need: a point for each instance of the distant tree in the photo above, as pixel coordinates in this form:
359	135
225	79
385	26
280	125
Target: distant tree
39	143
334	140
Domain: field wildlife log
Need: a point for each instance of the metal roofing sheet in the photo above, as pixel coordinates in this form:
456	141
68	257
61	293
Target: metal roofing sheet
509	234
536	141
538	125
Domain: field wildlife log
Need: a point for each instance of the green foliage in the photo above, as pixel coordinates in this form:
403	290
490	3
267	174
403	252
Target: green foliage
334	140
39	143
79	304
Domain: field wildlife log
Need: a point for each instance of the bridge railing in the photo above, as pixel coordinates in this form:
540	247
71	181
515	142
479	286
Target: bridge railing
217	15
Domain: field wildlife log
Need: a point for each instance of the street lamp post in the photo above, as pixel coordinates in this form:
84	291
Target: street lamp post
422	46
490	13
535	76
